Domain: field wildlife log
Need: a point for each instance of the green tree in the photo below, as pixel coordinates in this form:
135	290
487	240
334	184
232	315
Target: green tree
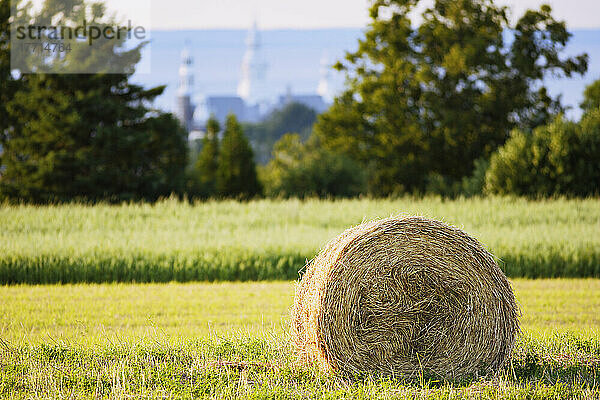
236	174
208	160
434	98
470	186
560	158
108	55
586	170
89	137
8	84
591	97
306	169
294	117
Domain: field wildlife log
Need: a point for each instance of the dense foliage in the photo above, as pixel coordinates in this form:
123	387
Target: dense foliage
236	171
432	99
204	173
560	158
425	111
92	137
293	118
591	97
307	170
7	83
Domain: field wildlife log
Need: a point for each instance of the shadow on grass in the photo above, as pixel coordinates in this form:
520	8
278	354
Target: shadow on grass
563	366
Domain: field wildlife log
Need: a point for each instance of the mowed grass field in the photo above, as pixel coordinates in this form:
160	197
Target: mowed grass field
228	340
98	314
116	301
271	240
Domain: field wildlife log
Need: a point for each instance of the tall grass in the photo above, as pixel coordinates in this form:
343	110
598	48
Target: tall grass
260	240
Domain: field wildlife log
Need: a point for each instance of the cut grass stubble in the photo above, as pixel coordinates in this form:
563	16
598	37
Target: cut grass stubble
215	340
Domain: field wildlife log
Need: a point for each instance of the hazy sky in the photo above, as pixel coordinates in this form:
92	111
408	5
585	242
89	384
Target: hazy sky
307	14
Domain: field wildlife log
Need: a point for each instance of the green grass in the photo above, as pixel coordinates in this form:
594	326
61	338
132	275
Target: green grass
174	341
111	313
266	240
565	368
179	340
100	314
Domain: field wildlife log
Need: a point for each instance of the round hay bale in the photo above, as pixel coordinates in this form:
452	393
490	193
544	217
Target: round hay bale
402	296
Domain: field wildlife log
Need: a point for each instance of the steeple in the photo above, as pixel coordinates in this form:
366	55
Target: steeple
252	86
186	73
324	88
184	108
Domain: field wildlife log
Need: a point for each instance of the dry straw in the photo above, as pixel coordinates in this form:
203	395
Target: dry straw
404	295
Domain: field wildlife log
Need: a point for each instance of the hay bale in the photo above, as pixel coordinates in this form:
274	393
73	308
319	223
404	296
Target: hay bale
404	295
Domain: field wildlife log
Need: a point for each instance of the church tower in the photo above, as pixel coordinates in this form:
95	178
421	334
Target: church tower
184	108
324	88
252	86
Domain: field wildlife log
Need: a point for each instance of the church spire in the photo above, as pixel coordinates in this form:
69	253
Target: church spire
252	86
324	88
186	73
184	108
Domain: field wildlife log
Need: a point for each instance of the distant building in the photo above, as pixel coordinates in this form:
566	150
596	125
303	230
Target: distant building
324	89
253	85
221	106
314	101
251	103
319	101
184	108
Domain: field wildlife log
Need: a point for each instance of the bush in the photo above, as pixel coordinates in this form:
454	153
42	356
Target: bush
560	158
303	170
474	184
469	186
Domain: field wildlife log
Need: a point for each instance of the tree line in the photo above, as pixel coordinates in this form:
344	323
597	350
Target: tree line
225	167
456	105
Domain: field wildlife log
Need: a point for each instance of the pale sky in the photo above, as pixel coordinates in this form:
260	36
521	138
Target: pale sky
310	14
304	14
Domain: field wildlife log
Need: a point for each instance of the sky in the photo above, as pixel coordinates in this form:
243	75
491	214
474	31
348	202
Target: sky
308	14
303	14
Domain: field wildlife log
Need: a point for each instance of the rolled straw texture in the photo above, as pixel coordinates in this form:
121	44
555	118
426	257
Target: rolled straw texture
405	295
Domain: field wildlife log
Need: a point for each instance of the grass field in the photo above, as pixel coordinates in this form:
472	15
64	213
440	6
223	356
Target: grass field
229	340
270	240
111	313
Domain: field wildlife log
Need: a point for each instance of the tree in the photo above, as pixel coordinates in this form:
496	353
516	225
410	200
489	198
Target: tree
111	51
236	174
591	97
306	169
560	158
91	137
8	84
294	117
208	160
587	168
433	99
